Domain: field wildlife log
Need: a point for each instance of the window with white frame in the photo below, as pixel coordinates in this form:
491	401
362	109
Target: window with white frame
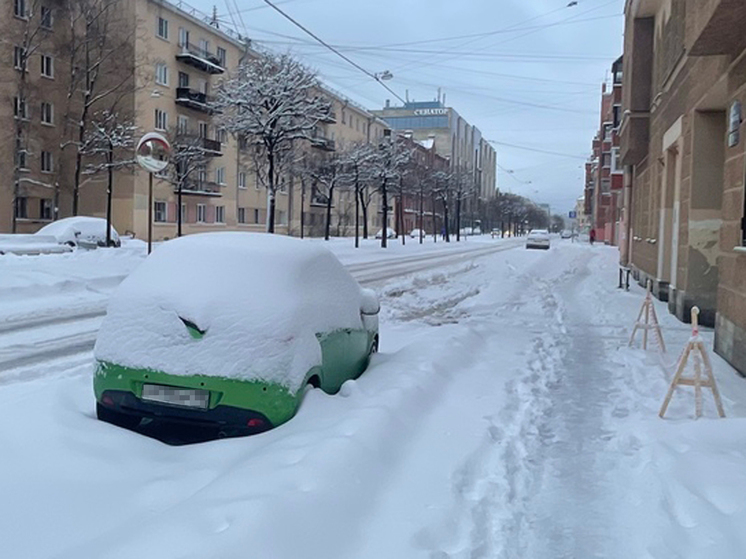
282	217
47	66
201	213
608	127
20	108
46	19
183	79
161	120
257	216
220	175
162	28
183	37
204	46
21	207
160	212
222	56
47	113
19	8
241	179
203	130
161	74
242	215
46	208
616	166
19	58
47	162
219	214
221	135
182	124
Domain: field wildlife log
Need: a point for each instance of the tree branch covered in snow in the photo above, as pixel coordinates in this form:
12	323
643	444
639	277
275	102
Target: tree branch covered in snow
273	102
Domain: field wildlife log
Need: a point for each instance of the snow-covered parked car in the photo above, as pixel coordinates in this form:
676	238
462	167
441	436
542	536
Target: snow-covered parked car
415	233
221	333
390	234
538	238
80	231
566	234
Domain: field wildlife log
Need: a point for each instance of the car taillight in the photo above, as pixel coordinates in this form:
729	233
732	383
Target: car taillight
255	422
107	400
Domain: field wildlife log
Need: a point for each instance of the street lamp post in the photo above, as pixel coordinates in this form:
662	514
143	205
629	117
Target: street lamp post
152	153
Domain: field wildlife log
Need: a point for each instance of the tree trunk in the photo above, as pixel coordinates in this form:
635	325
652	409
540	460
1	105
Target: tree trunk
422	216
401	220
357	213
458	219
385	208
302	206
328	213
178	209
445	221
364	208
435	219
271	188
109	193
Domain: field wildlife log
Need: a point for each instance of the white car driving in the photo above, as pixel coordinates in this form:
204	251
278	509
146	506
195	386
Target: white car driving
538	238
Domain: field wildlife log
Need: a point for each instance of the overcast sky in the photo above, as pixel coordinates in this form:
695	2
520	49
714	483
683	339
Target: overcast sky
529	72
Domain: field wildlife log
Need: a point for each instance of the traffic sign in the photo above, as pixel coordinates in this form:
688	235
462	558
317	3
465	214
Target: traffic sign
573	215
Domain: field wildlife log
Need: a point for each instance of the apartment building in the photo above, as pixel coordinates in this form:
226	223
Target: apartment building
604	185
685	157
34	104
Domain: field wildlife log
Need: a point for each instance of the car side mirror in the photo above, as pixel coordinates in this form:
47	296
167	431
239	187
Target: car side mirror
370	304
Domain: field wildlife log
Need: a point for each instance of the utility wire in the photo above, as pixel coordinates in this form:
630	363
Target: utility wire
335	51
536	150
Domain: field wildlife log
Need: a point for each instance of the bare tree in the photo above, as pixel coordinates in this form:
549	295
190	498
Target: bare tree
326	172
100	32
109	141
187	164
388	165
358	162
462	186
442	192
274	101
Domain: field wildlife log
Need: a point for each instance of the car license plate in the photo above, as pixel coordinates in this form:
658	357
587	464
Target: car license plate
182	397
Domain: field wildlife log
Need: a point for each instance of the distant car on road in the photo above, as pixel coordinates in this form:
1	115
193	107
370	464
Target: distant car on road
80	231
566	234
390	234
538	238
415	233
229	346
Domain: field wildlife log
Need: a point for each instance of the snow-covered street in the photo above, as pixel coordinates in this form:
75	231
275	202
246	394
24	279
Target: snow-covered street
505	417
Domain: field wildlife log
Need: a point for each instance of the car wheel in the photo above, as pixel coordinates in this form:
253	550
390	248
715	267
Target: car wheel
374	346
119	419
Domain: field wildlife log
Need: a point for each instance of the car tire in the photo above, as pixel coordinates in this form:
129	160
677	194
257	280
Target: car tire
119	419
374	346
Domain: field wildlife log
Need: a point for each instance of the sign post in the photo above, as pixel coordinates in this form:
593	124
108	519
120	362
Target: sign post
152	153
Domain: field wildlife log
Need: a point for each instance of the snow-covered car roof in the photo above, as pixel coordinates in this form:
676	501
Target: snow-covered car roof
73	229
259	299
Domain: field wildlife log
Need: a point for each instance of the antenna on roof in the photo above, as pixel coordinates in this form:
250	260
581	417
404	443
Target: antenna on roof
214	18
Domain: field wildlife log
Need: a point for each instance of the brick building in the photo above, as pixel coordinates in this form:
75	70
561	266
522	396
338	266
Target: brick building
685	159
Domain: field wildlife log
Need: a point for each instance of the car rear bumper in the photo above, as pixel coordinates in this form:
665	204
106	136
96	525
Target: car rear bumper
218	422
538	244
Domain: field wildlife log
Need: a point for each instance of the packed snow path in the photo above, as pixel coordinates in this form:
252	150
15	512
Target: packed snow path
504	418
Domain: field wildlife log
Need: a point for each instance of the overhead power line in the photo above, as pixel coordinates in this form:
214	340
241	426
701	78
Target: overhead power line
536	150
334	50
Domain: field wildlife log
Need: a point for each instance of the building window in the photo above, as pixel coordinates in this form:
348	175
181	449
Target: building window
201	213
162	30
183	37
45	209
605	160
161	120
19	8
47	162
182	124
47	113
615	163
605	186
183	213
282	217
46	17
21	207
22	160
256	215
221	135
19	58
160	214
221	56
220	175
20	109
219	214
161	74
241	179
47	66
617	116
204	46
203	130
242	215
183	79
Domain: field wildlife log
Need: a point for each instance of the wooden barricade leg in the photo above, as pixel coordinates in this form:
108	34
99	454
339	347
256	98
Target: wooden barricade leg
675	381
713	384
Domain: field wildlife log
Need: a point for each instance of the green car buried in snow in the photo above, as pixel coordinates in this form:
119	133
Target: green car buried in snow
219	334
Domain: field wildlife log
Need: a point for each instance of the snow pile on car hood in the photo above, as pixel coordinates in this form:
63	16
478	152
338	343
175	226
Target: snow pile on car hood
259	299
72	229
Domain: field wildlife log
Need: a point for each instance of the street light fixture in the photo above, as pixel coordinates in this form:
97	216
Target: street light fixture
383	76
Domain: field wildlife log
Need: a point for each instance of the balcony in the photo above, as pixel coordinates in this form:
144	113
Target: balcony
634	137
211	148
201	59
193	99
323	143
330	118
200	188
717	28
